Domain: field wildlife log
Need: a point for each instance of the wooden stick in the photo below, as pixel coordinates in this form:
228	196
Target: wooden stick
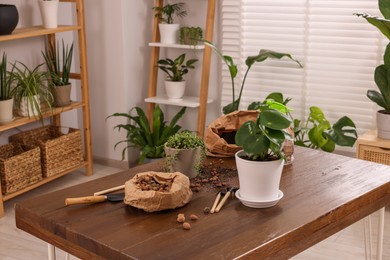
215	202
223	200
109	190
85	200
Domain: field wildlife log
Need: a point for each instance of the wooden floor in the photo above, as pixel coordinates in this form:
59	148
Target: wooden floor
16	244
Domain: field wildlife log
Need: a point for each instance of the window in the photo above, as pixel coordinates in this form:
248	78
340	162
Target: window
339	52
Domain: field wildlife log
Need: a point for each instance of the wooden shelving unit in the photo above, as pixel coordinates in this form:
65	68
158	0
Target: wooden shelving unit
201	101
55	113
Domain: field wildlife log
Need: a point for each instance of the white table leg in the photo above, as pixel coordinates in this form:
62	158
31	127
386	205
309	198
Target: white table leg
51	252
381	228
367	237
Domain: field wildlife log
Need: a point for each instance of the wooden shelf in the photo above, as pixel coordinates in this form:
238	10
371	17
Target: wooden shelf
19	121
43	181
186	101
177	46
35	31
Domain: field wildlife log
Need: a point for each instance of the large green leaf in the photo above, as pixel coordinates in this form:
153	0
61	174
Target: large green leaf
381	23
384	7
231	107
274	119
343	132
382	80
264	54
277	137
376	97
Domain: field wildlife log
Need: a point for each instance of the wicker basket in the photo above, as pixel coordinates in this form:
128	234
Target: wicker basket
20	166
59	151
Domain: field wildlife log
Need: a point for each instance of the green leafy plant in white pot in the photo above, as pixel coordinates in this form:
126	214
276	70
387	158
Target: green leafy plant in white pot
175	70
49	13
184	152
382	72
59	67
6	99
31	89
169	31
260	163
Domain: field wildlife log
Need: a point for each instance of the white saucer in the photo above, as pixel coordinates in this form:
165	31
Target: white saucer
259	204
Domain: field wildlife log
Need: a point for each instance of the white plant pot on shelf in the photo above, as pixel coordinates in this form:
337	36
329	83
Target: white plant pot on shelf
259	181
49	13
169	33
6	111
26	108
383	124
175	89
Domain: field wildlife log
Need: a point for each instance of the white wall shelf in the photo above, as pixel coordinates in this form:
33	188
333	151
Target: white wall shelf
177	46
186	101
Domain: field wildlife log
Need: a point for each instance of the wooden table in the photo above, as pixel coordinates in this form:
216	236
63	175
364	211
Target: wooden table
323	193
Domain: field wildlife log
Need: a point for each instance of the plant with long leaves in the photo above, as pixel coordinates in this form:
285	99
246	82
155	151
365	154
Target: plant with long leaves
59	66
6	79
382	72
30	84
250	61
177	68
149	139
166	13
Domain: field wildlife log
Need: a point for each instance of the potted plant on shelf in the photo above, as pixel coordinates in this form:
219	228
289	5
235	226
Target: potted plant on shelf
176	69
49	13
382	97
260	163
30	90
184	152
6	99
169	30
59	68
190	35
150	139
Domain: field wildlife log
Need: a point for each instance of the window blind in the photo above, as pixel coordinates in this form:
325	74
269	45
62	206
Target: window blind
339	52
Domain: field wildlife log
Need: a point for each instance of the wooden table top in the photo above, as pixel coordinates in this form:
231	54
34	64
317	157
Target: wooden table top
323	193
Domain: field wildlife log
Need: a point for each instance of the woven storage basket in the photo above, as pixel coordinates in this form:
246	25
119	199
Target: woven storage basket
20	166
59	151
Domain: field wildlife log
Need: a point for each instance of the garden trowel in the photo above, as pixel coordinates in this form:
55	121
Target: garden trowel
93	199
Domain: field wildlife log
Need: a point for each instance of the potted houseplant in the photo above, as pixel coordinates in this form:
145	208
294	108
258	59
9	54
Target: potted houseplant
30	90
184	152
260	163
169	30
59	68
190	35
6	100
49	13
9	18
176	69
150	139
382	97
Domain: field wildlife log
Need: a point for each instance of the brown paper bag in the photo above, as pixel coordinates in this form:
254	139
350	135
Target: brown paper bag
216	145
178	195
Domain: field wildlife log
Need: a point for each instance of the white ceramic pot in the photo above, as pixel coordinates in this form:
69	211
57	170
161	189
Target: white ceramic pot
383	125
49	13
6	111
259	181
175	89
185	161
169	33
28	108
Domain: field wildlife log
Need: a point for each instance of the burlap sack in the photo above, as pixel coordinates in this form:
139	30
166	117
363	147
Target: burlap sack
218	146
178	195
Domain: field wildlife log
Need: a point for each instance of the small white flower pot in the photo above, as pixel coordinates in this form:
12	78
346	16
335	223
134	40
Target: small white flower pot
49	12
27	108
175	89
169	33
259	181
383	125
6	111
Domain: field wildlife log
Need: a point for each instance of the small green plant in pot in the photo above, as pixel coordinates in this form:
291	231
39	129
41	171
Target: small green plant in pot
59	67
184	152
176	69
190	35
31	89
165	14
150	139
260	163
382	97
6	99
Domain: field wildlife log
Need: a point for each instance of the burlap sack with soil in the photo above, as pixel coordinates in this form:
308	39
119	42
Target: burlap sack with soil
218	146
150	201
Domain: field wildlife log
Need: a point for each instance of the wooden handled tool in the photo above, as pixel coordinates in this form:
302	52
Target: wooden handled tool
94	199
216	202
224	199
109	190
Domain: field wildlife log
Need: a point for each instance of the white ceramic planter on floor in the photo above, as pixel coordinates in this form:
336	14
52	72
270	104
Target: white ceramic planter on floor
259	181
383	125
49	12
169	33
175	89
